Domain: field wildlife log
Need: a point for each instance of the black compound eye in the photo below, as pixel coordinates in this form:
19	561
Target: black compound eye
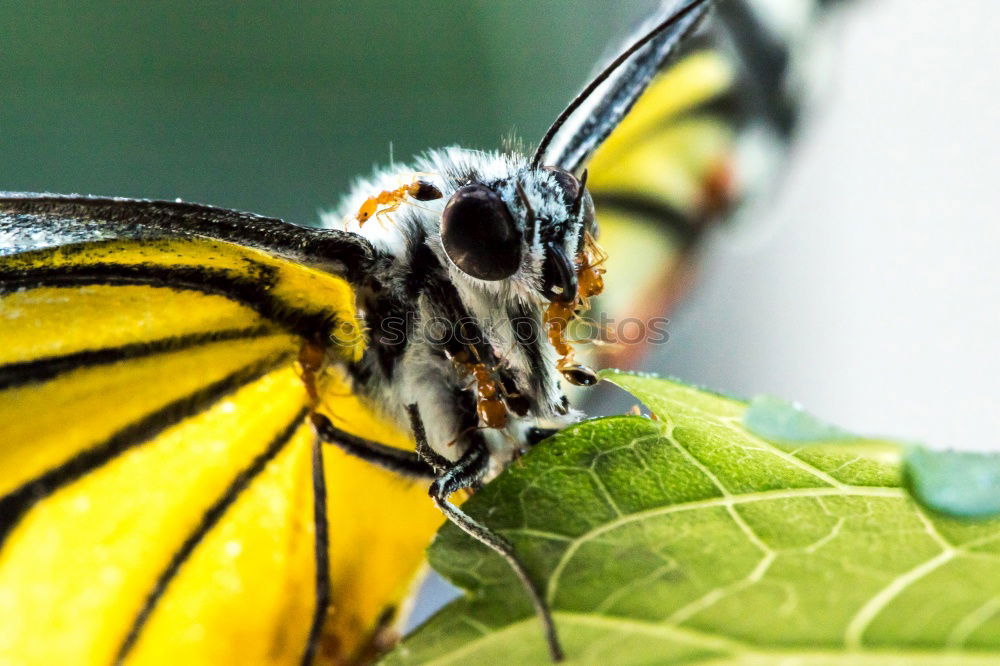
479	234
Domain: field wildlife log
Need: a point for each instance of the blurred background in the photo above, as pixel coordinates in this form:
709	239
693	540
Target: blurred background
868	290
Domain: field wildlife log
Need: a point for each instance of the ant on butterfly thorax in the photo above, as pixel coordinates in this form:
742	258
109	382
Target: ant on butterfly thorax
490	394
388	201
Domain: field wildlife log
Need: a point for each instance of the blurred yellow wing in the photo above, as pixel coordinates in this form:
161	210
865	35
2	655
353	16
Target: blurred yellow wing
706	137
659	180
162	497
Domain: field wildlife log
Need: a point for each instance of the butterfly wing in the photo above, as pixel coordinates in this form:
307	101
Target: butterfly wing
162	497
660	180
708	114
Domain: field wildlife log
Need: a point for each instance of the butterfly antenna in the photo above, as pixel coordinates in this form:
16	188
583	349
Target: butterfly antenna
605	74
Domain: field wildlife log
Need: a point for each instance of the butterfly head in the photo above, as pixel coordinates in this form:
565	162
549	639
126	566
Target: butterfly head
529	228
527	237
495	270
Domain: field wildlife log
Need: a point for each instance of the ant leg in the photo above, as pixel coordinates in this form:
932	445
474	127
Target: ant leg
383	215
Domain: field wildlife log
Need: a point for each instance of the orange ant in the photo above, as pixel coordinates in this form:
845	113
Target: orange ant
490	393
590	275
590	281
489	405
719	188
312	366
419	189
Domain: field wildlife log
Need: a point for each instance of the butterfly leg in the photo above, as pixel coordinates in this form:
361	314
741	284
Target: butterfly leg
389	457
438	462
465	472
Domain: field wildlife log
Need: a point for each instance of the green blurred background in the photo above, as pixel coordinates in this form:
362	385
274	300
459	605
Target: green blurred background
275	107
867	290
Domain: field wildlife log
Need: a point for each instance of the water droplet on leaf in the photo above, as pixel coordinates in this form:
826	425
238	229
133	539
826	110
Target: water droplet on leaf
778	419
957	483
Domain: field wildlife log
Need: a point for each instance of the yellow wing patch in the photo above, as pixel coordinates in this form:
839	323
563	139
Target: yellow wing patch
157	471
380	524
95	547
671	165
101	316
247	594
43	426
290	295
664	149
682	87
657	181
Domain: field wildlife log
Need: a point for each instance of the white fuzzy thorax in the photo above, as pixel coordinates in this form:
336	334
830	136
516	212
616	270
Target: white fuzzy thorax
423	376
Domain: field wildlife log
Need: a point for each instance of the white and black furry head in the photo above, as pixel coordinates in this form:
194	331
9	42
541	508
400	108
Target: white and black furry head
470	276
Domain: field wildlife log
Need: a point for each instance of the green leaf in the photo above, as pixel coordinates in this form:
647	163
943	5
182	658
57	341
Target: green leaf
690	539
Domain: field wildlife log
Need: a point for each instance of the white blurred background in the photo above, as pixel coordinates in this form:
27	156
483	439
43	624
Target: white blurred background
870	292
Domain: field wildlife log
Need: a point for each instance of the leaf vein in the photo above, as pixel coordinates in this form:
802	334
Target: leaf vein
735	425
858	624
972	621
714	502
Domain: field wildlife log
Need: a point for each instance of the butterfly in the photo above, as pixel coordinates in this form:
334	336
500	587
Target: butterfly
218	430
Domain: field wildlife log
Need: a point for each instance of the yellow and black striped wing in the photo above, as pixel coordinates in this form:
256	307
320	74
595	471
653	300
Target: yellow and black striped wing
162	496
661	178
704	138
656	138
